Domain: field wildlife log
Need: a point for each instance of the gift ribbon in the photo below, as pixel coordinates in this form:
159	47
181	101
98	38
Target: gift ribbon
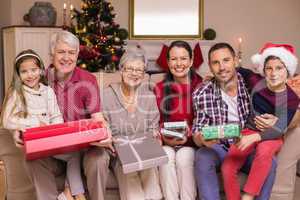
221	132
125	141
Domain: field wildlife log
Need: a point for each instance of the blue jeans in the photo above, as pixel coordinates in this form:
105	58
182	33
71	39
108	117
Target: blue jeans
208	162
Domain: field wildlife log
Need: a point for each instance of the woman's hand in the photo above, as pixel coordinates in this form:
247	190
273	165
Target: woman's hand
172	141
248	140
265	121
157	135
17	136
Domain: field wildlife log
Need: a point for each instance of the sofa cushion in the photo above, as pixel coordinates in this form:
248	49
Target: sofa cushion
2	180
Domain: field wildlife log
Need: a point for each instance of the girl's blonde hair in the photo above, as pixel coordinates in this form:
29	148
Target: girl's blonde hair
16	83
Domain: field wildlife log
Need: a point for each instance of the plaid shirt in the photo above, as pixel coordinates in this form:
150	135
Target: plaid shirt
210	109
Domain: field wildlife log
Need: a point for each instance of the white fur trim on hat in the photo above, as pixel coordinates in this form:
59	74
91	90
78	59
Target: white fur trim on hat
285	56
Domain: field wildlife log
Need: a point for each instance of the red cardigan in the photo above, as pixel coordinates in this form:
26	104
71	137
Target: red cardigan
182	105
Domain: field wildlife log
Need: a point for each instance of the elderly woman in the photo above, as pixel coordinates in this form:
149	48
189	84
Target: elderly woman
78	97
130	109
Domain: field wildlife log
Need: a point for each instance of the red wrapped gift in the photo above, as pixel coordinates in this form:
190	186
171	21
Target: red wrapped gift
62	138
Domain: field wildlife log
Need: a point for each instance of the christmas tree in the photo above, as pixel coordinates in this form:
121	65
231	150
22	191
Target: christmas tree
101	38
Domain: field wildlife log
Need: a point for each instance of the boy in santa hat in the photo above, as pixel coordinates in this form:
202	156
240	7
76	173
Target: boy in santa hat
270	95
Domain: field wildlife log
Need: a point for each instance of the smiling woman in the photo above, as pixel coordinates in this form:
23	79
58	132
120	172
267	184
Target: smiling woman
166	19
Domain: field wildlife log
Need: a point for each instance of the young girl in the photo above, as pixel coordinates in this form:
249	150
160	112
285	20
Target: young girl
174	99
270	95
30	103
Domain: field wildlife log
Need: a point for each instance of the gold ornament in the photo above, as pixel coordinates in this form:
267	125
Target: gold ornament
117	39
83	66
77	30
112	50
84	5
88	42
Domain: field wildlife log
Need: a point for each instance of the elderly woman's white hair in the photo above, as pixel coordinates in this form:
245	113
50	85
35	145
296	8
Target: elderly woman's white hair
133	53
66	37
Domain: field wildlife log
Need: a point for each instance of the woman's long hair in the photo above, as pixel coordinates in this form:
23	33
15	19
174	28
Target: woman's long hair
169	78
16	82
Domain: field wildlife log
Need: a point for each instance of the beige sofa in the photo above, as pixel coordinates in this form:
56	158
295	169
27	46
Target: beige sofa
15	182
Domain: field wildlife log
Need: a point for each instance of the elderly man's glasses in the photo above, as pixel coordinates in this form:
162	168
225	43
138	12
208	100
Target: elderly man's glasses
131	70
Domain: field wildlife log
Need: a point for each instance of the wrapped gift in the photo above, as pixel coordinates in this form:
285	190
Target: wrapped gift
139	153
175	129
61	138
221	132
169	133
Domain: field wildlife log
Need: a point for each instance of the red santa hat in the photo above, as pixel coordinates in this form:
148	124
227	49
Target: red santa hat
285	52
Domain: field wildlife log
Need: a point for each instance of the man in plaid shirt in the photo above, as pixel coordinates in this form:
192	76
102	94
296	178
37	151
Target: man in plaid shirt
223	99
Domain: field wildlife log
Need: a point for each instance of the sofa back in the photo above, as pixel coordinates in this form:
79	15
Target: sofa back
104	79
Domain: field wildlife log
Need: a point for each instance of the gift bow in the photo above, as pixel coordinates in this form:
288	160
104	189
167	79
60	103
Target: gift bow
221	132
125	140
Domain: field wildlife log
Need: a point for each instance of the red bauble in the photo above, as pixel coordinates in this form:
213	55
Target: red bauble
114	58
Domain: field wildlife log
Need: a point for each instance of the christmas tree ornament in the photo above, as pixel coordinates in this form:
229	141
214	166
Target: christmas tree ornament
112	50
84	6
117	40
103	38
83	66
114	58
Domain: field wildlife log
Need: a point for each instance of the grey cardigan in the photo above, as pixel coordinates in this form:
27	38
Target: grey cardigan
144	121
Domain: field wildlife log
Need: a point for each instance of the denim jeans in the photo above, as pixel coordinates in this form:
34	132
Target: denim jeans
208	162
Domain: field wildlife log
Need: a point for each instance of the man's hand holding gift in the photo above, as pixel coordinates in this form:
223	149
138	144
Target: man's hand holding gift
200	140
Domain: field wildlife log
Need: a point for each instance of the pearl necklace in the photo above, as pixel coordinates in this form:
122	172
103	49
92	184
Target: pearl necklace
127	100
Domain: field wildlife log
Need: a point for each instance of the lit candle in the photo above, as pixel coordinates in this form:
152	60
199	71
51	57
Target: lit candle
71	13
240	50
65	15
240	44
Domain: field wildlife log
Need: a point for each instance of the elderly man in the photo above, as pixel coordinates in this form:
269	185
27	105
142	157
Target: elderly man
78	97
